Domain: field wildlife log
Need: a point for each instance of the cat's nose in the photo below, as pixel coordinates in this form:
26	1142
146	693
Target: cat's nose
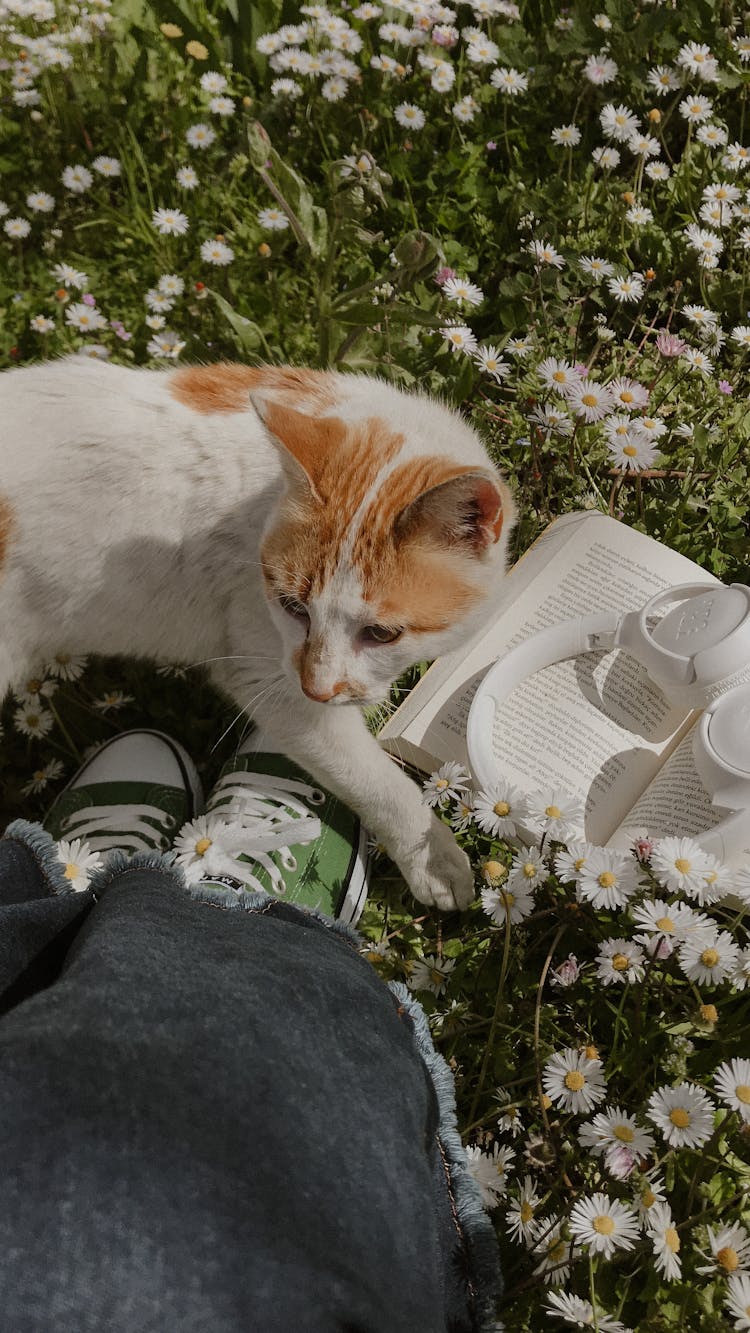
322	696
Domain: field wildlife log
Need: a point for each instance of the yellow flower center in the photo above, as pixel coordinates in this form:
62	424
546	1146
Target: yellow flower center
580	863
649	1199
710	957
604	1224
666	924
501	808
559	375
591	1052
202	846
40	775
711	877
436	977
589	400
574	1080
709	1013
671	1240
742	1093
557	1251
680	1117
71	870
728	1259
620	962
630	450
526	1212
683	865
607	879
553	812
33	686
442	783
624	1133
529	870
626	396
508	898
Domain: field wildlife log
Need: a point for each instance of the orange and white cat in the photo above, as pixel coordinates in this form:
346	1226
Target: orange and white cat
316	532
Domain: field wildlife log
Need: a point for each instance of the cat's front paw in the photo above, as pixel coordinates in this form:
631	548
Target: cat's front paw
438	871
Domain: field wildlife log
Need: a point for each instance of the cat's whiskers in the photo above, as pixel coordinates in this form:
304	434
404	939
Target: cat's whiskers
237	657
267	685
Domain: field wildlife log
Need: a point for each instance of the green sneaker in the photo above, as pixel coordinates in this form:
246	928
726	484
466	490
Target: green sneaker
132	794
269	826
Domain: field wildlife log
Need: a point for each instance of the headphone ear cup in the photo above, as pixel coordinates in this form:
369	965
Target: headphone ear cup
721	749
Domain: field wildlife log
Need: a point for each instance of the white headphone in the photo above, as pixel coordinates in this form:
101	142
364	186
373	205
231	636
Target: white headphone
698	654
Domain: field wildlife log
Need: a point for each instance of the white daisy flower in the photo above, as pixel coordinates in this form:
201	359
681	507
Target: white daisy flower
170	222
443	78
555	814
498	809
67	666
459	289
410	116
159	301
679	865
574	1310
741	335
217	253
86	318
657	171
273	219
16	228
608	879
521	1217
697	360
732	1081
612	1128
186	178
556	1254
635	453
618	122
708	959
730	1251
41	324
460	338
742	47
201	846
221	106
627	288
167	344
638	216
571	861
684	1114
663	80
41	776
697	58
490	1171
520	347
620	960
663	921
551	420
482	51
566	136
627	393
741	975
544	253
78	862
509	81
430	973
558	375
170	284
719	881
510	902
737	1299
654	427
589	399
200	136
712	136
722	192
77	179
661	1230
600	69
155	322
695	109
650	1191
528	870
463	815
107	166
113	700
490	361
595	267
213	82
644	145
573	1081
604	1224
94	351
446	783
606	158
69	276
40	202
704	241
286	88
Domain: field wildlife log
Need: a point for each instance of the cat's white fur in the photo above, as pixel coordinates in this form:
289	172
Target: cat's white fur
135	529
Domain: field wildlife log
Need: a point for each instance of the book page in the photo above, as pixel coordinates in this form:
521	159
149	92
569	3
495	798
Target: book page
596	727
675	804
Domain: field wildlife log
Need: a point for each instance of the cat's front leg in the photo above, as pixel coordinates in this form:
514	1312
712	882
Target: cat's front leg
332	742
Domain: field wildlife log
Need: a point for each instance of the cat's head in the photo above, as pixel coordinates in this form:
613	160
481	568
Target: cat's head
390	537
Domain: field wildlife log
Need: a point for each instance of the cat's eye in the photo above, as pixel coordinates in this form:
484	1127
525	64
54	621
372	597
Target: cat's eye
293	607
379	634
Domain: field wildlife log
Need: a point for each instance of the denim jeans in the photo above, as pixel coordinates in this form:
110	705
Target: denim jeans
216	1118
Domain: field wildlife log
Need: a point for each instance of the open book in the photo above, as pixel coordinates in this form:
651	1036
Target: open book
597	726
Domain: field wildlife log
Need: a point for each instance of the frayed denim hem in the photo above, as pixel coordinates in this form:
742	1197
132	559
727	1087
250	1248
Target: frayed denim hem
474	1223
246	900
43	848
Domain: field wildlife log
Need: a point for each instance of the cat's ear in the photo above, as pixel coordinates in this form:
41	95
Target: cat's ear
306	442
469	509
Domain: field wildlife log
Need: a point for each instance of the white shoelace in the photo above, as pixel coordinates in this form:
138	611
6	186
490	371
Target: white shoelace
105	827
257	809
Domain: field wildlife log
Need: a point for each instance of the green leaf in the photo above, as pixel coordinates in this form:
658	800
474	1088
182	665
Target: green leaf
248	333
